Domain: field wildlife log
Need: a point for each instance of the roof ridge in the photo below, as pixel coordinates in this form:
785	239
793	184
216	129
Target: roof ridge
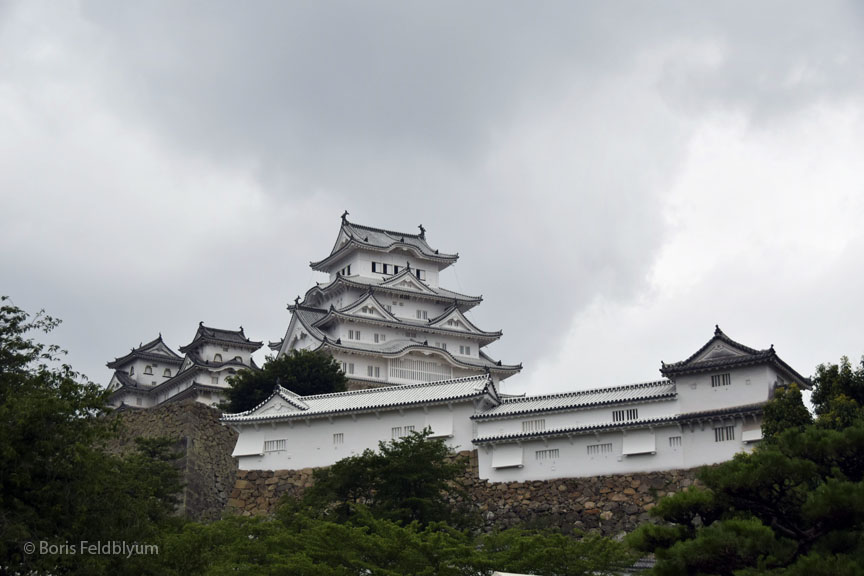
567	429
459	380
588	391
382	230
384	286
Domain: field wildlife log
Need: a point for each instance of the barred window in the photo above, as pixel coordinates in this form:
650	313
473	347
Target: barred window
338	438
625	415
274	445
534	425
550	454
718	380
724	433
674	441
597	449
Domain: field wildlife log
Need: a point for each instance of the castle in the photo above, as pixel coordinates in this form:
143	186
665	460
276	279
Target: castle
414	361
384	316
153	374
396	333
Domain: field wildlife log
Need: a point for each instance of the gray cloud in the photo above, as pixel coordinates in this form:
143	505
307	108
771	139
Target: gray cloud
205	150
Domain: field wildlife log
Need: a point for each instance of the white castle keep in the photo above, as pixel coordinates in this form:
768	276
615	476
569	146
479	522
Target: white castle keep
384	316
415	362
153	374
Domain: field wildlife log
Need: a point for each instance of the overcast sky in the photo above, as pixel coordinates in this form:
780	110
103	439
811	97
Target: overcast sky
617	177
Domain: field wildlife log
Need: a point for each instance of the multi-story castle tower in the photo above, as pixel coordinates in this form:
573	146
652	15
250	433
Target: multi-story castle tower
153	374
384	316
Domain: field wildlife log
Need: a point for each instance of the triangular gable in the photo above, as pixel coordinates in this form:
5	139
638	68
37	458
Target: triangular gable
719	347
406	280
298	336
277	404
368	306
716	349
454	319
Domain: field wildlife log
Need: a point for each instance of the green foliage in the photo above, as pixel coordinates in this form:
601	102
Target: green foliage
56	484
295	543
302	371
838	393
785	412
407	480
552	554
793	506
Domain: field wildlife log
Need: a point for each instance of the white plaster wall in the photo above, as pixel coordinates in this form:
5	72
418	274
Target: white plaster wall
310	443
574	418
149	379
697	448
749	385
208	352
361	264
700	447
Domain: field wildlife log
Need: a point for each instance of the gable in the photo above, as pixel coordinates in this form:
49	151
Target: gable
454	319
298	337
369	307
406	280
717	349
275	406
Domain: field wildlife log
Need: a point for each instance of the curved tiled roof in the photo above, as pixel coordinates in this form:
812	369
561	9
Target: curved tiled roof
399	347
437	294
661	390
379	239
206	334
389	397
155	350
748	357
404	324
575	430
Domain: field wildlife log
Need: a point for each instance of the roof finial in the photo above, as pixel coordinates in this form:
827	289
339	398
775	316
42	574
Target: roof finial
201	323
345	217
717	330
486	370
422	231
297	301
407	265
369	289
241	329
278	384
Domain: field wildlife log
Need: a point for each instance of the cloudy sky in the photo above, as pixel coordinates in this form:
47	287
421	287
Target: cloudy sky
617	177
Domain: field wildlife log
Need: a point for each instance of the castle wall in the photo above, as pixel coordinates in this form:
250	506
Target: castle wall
609	504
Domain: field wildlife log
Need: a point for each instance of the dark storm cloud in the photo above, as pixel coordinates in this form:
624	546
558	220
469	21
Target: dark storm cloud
537	139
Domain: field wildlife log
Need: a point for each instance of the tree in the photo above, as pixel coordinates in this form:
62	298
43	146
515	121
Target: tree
408	480
56	484
838	393
302	371
786	412
793	506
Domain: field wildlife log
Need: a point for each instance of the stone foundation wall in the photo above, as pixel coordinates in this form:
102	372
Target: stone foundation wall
608	504
207	469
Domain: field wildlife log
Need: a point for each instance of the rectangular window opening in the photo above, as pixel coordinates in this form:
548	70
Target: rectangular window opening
724	433
598	449
534	425
274	445
550	454
718	380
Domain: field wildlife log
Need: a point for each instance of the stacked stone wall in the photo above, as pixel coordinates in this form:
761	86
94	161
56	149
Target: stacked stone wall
207	469
607	504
